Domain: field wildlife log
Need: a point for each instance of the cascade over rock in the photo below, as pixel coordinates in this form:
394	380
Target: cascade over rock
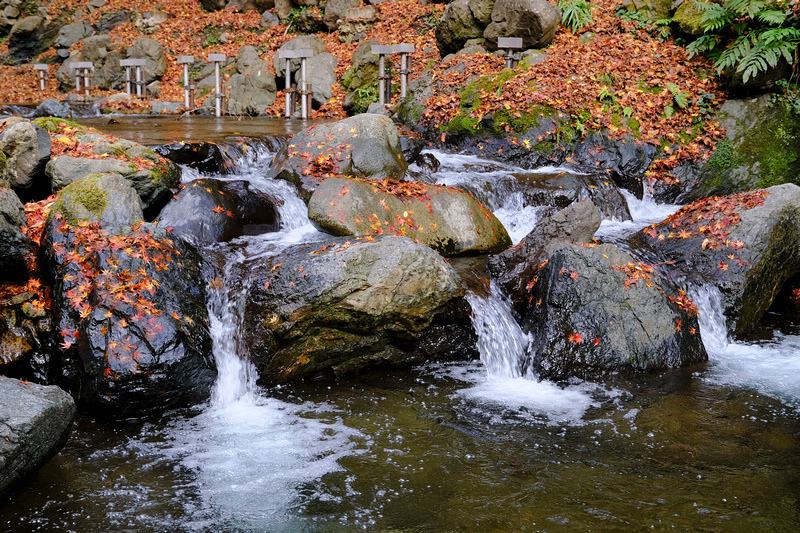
342	306
514	269
445	218
746	244
35	422
209	210
127	305
594	311
365	146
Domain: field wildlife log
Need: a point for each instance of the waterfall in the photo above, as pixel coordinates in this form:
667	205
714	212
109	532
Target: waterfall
770	367
501	342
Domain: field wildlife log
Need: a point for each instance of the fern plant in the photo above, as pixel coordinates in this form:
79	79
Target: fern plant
764	33
575	14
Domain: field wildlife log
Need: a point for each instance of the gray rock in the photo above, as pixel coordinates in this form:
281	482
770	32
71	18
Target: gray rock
363	146
25	40
321	74
251	94
64	169
342	306
516	267
592	313
462	20
27	149
103	54
151	21
361	80
109	21
445	218
311	42
269	19
52	108
155	58
243	6
337	9
536	21
249	62
166	107
35	422
72	33
106	198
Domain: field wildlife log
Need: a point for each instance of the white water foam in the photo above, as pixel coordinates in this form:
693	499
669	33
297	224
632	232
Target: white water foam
769	367
503	347
643	213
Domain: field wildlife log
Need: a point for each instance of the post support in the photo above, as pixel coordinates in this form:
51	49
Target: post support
42	70
83	73
188	86
217	59
304	87
384	80
508	44
404	49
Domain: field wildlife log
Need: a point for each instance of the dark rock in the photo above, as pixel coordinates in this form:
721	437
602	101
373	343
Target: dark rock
445	218
363	146
13	243
337	9
35	422
72	33
155	58
747	245
594	311
345	306
411	144
462	20
109	21
515	268
25	40
209	210
104	55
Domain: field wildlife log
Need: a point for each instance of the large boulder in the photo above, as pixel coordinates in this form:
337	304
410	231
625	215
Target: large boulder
52	108
322	70
128	305
462	20
308	42
70	34
13	243
35	422
342	306
535	21
594	310
209	210
746	244
104	55
87	152
27	150
336	10
365	146
445	218
761	148
251	94
517	267
25	40
154	56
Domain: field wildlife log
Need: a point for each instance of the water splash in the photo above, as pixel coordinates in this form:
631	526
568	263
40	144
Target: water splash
643	213
769	367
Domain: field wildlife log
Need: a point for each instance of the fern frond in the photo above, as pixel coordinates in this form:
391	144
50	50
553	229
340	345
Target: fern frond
771	16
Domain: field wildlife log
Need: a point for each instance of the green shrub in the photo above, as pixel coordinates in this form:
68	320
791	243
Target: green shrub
575	14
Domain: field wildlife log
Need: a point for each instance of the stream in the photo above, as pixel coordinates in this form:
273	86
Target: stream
458	447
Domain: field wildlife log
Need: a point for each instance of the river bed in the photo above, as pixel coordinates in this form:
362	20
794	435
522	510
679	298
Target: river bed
465	446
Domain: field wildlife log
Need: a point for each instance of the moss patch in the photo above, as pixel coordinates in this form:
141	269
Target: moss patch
82	192
51	124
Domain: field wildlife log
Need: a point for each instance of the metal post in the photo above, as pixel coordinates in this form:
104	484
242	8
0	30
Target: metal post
508	44
303	94
304	87
42	70
188	88
382	50
217	59
86	81
404	49
289	94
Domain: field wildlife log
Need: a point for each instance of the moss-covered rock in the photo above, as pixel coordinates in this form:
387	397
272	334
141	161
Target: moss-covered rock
106	198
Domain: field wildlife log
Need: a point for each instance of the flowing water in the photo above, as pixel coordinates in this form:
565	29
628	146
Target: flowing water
469	446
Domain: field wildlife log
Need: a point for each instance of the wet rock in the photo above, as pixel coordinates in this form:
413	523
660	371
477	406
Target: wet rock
27	150
535	21
131	313
25	40
515	268
13	243
365	146
106	198
447	219
412	145
209	210
595	310
342	307
746	244
52	108
35	422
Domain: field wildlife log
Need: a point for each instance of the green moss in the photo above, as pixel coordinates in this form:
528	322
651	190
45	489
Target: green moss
166	174
51	124
3	169
82	192
463	124
775	146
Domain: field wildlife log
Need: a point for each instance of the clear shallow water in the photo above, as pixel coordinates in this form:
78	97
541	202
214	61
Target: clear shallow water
471	446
